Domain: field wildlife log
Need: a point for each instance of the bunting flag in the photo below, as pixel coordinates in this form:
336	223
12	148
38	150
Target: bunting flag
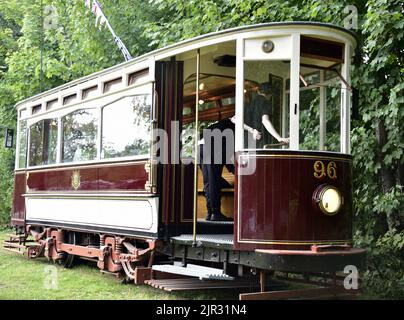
95	7
100	18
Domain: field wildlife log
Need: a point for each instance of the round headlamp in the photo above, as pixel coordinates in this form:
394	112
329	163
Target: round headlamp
328	199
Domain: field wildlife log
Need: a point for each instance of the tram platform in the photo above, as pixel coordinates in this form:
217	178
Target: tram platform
223	241
213	227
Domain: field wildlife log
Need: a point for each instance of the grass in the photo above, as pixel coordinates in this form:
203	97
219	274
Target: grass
25	279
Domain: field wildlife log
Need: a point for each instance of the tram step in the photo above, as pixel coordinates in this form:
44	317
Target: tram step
193	270
16	236
13	250
8	244
209	222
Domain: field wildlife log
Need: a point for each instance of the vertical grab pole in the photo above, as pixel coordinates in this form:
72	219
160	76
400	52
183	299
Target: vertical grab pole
323	99
196	153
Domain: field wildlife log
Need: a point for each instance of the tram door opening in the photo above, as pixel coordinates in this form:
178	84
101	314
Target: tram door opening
216	102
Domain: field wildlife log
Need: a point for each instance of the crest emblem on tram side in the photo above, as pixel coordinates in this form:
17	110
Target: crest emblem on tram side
76	181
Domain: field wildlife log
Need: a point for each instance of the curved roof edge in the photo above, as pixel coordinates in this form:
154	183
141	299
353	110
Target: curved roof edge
186	41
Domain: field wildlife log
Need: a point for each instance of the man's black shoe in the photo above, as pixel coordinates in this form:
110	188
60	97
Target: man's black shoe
208	216
220	217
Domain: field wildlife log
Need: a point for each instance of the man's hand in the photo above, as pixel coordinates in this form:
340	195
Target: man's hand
256	134
284	140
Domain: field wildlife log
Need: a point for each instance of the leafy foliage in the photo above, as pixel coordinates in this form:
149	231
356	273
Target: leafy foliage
75	47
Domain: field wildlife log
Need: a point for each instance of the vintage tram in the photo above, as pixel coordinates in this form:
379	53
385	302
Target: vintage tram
91	181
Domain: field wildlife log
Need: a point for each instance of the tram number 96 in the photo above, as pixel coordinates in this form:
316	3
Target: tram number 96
218	309
320	170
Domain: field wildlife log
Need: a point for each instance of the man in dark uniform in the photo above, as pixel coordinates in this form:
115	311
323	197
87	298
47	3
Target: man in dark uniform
213	156
257	113
213	159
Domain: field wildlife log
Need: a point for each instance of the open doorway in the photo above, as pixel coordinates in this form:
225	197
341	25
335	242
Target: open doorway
216	101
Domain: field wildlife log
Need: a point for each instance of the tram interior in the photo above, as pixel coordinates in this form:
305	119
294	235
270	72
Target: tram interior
217	84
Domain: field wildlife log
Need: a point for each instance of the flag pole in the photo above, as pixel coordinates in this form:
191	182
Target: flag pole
117	40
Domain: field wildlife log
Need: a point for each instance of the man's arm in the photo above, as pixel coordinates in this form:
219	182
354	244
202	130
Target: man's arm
268	125
256	134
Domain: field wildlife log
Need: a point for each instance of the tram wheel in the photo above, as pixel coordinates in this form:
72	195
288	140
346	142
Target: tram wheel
67	260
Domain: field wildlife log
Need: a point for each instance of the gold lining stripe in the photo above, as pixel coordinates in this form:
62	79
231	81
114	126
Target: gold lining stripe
94	165
294	156
81	192
296	243
87	197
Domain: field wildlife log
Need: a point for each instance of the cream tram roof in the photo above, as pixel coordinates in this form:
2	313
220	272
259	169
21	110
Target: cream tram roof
146	61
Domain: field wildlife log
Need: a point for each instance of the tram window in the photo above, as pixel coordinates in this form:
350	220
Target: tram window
51	104
23	113
43	142
69	99
89	92
313	135
22	145
331	74
309	127
112	84
228	101
36	109
136	77
126	127
333	120
188	137
264	96
216	101
80	135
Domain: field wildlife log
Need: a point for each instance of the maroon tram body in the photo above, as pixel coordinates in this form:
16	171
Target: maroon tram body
275	204
84	188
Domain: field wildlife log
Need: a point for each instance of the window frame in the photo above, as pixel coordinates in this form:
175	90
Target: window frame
143	88
322	109
291	52
28	147
18	145
141	156
61	144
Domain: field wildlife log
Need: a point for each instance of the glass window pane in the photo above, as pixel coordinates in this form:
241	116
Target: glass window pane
50	140
130	116
69	99
309	117
309	129
36	144
264	102
138	76
228	101
188	136
113	84
333	118
22	145
80	135
43	142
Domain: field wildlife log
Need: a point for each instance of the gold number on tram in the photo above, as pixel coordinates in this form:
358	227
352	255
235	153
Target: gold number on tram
332	170
320	170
